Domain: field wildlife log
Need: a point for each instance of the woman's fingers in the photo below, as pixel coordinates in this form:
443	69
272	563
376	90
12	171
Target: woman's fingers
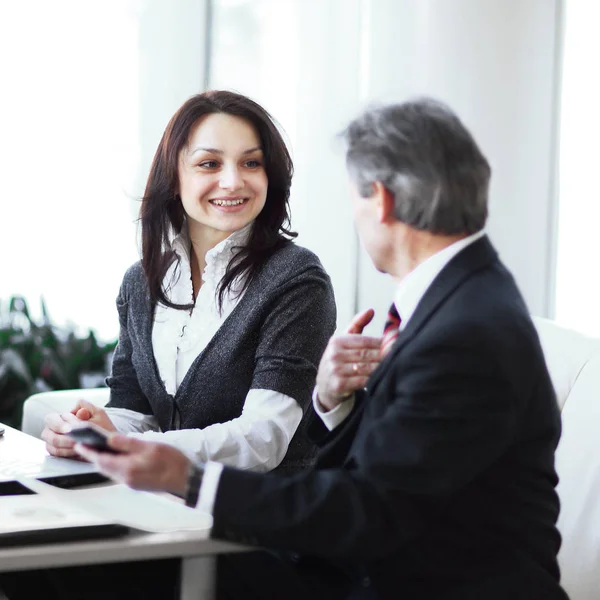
83	414
57	443
56	423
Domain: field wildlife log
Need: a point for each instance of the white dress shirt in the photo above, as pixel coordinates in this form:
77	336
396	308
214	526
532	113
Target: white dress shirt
256	440
408	294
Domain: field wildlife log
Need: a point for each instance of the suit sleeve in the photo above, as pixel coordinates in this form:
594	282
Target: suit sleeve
437	426
125	390
320	434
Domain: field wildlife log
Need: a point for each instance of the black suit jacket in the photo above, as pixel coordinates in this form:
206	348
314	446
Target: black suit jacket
440	483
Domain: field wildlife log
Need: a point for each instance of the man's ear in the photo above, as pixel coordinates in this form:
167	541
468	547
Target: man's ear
384	200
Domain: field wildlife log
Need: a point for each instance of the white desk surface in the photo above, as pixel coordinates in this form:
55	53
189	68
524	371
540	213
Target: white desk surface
137	545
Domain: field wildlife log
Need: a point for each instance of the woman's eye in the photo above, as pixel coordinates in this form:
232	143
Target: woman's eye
253	164
209	164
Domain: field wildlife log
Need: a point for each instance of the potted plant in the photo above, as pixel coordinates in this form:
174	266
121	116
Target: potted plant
39	356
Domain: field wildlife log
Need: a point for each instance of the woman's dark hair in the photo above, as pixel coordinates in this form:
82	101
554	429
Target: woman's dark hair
162	215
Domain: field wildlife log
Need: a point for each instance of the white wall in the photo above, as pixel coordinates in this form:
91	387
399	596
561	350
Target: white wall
494	63
316	63
298	59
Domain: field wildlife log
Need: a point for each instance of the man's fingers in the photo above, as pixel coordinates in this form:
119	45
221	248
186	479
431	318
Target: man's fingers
358	341
86	452
122	443
352	349
361	355
120	467
360	321
106	462
359	369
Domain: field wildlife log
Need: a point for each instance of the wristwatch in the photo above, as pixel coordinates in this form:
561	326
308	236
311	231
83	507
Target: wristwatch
194	481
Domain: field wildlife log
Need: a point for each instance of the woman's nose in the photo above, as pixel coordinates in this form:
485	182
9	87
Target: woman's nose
231	179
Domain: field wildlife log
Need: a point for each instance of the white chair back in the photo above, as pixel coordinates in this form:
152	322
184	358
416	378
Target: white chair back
574	364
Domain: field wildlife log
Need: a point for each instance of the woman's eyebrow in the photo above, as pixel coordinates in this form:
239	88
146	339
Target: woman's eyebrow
251	150
209	150
220	152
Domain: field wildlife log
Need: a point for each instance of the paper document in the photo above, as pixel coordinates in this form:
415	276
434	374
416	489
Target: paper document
120	504
32	513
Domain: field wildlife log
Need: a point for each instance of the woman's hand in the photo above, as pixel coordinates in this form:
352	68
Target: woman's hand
86	411
141	465
57	425
54	434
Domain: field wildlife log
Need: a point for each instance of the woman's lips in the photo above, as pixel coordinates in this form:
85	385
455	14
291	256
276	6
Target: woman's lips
229	204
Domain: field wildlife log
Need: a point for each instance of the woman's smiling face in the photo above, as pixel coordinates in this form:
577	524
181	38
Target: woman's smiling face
222	180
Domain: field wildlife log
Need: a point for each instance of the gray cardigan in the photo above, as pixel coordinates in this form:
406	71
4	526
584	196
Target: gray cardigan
273	339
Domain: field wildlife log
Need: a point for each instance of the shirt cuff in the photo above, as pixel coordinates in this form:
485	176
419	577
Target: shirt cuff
128	421
209	487
332	418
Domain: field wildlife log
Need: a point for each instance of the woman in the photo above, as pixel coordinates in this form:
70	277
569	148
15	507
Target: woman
224	320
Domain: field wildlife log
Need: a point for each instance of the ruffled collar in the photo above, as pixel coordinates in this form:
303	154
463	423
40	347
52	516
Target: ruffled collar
178	279
216	258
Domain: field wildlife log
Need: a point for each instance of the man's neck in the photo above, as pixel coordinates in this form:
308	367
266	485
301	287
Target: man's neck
418	247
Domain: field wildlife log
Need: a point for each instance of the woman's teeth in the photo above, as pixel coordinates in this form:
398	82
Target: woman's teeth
228	202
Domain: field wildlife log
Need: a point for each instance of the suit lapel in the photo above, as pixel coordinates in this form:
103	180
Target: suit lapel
468	261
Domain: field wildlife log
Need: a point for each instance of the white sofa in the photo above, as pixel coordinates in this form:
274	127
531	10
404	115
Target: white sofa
36	407
574	364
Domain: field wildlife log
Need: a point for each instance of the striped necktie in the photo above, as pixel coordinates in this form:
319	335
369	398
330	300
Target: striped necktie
391	330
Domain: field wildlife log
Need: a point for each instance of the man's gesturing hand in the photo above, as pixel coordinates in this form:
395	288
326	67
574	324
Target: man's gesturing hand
347	362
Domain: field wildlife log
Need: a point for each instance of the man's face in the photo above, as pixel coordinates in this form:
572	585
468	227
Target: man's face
372	234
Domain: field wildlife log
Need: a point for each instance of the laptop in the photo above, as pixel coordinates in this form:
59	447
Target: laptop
28	517
22	455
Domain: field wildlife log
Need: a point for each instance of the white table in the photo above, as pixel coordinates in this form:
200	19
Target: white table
197	551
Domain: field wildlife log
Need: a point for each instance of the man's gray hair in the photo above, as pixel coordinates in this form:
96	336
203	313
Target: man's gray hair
423	154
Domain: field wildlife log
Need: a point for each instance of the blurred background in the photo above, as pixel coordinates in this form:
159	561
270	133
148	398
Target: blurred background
89	85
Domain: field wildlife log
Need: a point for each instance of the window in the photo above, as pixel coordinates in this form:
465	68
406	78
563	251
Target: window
69	155
578	253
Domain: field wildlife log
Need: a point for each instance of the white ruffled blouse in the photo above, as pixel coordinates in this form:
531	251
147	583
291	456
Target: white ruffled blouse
251	441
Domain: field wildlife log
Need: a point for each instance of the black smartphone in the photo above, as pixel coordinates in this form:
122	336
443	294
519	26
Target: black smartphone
93	436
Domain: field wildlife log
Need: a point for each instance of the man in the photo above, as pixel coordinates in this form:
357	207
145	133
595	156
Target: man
436	473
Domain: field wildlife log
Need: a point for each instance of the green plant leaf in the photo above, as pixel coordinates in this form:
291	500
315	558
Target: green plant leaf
41	356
